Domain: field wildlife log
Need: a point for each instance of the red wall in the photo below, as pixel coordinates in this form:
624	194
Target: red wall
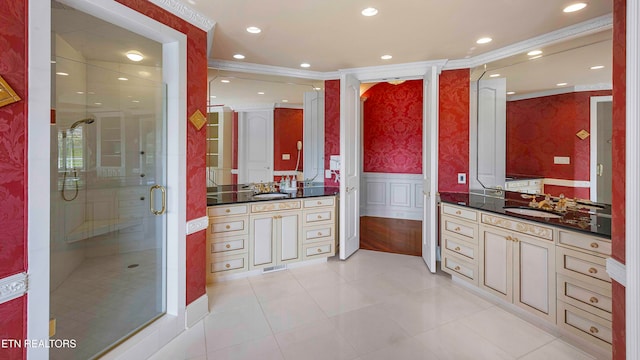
331	124
392	128
453	151
287	130
540	128
618	195
13	168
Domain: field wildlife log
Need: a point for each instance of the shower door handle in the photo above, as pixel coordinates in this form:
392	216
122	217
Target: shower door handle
152	207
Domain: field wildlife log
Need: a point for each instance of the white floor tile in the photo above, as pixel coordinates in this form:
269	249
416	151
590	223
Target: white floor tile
188	345
339	298
262	349
317	341
235	326
275	286
408	349
292	311
227	296
557	350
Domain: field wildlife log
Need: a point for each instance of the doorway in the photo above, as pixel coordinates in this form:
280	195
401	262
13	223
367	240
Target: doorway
107	185
601	151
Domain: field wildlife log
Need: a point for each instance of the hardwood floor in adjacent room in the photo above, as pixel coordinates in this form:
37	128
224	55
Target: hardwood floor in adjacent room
391	235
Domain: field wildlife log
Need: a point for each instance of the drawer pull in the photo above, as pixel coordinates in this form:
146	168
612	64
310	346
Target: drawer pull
457	268
458	212
227	211
594	330
515	239
593	300
319	216
457	228
227	265
457	248
319	250
594	245
228	246
228	227
509	238
319	202
319	233
593	270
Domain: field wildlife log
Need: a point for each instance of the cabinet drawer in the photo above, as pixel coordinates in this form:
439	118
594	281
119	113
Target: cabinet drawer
268	206
311	217
588	297
222	210
318	234
460	268
585	242
586	325
459	212
320	250
461	248
462	228
516	184
220	265
327	201
229	226
581	265
232	244
522	227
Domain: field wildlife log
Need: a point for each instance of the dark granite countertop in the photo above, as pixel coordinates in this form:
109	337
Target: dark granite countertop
587	219
233	194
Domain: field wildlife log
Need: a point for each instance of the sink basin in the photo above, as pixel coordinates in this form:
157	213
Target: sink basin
270	196
533	212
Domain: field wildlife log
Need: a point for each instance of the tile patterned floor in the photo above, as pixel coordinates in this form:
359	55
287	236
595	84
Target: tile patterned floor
373	306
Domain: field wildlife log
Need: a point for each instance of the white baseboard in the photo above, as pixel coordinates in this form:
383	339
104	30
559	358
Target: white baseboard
617	271
197	310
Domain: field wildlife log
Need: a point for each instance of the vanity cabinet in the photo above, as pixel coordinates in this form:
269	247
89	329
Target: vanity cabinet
516	267
459	242
319	228
274	239
227	240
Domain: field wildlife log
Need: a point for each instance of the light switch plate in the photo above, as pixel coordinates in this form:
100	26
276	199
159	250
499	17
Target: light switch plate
327	174
562	160
462	178
286	156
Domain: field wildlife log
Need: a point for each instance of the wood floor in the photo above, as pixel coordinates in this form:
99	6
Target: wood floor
391	235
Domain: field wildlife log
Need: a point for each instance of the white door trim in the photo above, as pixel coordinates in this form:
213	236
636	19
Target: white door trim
593	144
174	74
430	152
632	181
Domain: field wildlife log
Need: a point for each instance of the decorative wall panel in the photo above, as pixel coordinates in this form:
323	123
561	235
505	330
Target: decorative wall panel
390	195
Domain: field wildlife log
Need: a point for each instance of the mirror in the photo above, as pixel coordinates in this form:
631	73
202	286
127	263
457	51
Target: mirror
261	128
544	120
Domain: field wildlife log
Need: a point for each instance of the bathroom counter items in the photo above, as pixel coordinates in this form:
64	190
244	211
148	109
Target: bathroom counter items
587	218
234	194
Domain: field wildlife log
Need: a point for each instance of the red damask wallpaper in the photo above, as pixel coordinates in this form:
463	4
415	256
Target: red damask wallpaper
196	140
287	130
392	128
568	191
331	124
618	195
540	128
13	168
453	130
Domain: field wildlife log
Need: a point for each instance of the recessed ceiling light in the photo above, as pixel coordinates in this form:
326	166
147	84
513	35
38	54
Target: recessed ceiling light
386	57
484	40
98	103
62	73
597	67
225	81
510	92
144	73
305	65
260	92
561	84
254	30
134	55
213	96
370	11
285	100
135	101
534	52
238	56
494	75
574	7
53	61
317	88
79	92
123	79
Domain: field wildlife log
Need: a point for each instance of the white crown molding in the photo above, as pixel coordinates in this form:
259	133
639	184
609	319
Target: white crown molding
271	70
195	225
564	90
289	106
254	107
570	32
406	71
187	13
617	271
13	287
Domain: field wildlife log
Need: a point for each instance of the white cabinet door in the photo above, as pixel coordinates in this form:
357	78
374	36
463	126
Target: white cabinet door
289	232
496	262
534	272
262	241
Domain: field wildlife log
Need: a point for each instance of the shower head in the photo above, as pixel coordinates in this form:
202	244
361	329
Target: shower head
83	121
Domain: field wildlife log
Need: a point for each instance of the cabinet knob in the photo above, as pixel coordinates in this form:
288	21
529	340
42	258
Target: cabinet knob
319	202
457	248
319	250
593	270
227	211
228	246
509	238
457	268
515	239
458	212
228	227
594	330
457	228
594	245
319	216
227	265
319	233
593	300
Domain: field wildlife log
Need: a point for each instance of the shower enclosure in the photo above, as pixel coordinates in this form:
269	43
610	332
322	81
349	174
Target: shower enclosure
107	196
